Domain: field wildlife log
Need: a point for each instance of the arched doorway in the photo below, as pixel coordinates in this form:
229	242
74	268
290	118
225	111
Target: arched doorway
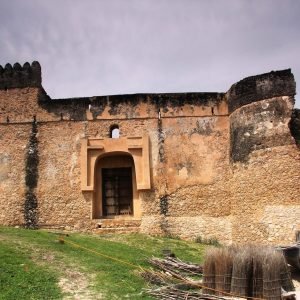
115	191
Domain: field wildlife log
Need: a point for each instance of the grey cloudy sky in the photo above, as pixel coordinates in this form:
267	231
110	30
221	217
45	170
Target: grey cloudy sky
102	47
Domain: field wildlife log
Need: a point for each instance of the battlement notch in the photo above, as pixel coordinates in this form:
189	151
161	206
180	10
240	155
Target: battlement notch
17	76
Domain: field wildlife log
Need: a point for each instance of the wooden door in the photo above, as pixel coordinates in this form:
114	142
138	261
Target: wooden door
117	193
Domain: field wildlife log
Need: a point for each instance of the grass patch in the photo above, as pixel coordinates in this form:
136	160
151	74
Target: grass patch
105	278
20	278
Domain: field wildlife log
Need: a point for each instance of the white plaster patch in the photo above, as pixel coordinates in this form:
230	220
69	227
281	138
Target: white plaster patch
78	138
282	222
269	125
50	171
196	138
204	226
154	154
191	227
4	166
64	147
73	163
265	105
183	173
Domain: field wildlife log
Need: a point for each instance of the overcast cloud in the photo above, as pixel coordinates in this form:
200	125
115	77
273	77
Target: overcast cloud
104	47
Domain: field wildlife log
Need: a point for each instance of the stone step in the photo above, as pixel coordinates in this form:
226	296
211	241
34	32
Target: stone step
117	230
116	223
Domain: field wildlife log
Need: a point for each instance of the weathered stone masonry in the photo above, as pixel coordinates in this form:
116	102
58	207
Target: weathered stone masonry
223	165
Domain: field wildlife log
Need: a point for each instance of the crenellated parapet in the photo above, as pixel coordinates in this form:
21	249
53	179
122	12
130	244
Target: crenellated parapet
17	76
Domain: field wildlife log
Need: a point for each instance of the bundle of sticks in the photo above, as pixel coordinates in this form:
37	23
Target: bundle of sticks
175	279
176	265
174	292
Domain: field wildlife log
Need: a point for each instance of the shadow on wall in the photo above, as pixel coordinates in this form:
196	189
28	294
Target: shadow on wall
295	126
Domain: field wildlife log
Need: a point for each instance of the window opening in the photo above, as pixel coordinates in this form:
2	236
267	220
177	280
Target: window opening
114	132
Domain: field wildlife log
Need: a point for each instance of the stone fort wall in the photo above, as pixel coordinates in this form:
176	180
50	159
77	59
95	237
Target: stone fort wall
222	165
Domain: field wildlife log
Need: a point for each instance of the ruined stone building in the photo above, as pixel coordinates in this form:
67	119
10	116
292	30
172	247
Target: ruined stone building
222	165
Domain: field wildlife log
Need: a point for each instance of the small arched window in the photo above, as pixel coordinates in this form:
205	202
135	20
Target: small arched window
114	132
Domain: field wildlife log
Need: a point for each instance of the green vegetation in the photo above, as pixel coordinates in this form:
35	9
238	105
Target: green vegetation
208	241
34	265
20	278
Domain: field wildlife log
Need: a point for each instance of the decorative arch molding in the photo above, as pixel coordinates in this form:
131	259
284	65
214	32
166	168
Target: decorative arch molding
93	149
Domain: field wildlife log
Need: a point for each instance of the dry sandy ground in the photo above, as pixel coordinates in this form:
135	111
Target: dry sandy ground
76	285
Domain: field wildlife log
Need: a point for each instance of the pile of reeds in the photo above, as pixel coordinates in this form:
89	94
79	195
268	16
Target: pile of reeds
257	274
242	272
271	276
276	275
248	271
223	270
285	275
209	271
236	271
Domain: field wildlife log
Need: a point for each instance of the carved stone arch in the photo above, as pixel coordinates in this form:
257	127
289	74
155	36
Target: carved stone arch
94	149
